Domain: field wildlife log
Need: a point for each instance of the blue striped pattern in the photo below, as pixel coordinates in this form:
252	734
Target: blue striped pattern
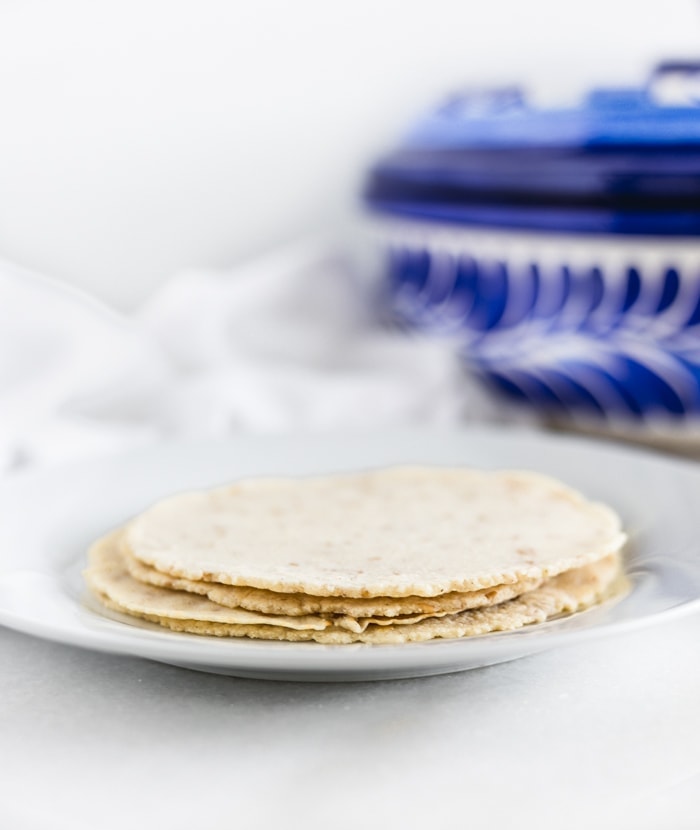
569	340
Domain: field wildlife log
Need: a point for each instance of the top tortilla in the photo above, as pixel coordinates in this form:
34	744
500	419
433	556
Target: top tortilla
397	532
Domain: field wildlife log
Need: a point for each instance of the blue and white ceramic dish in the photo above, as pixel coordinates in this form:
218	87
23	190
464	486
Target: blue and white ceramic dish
560	248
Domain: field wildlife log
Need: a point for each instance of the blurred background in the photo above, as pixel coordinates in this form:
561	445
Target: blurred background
196	169
143	137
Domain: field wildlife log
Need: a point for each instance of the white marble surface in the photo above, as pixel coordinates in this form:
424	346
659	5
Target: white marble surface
605	734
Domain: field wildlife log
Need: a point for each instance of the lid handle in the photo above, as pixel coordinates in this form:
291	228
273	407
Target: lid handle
480	103
675	84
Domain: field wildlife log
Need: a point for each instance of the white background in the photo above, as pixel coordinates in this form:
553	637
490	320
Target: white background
144	136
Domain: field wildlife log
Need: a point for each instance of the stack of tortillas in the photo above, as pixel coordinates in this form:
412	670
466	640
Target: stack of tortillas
389	556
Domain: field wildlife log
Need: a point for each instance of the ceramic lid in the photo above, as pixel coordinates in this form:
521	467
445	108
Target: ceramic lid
625	161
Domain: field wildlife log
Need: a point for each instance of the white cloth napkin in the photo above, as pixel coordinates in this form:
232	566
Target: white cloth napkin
287	342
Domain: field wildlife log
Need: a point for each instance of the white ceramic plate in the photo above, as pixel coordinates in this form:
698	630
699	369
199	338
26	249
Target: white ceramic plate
50	517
